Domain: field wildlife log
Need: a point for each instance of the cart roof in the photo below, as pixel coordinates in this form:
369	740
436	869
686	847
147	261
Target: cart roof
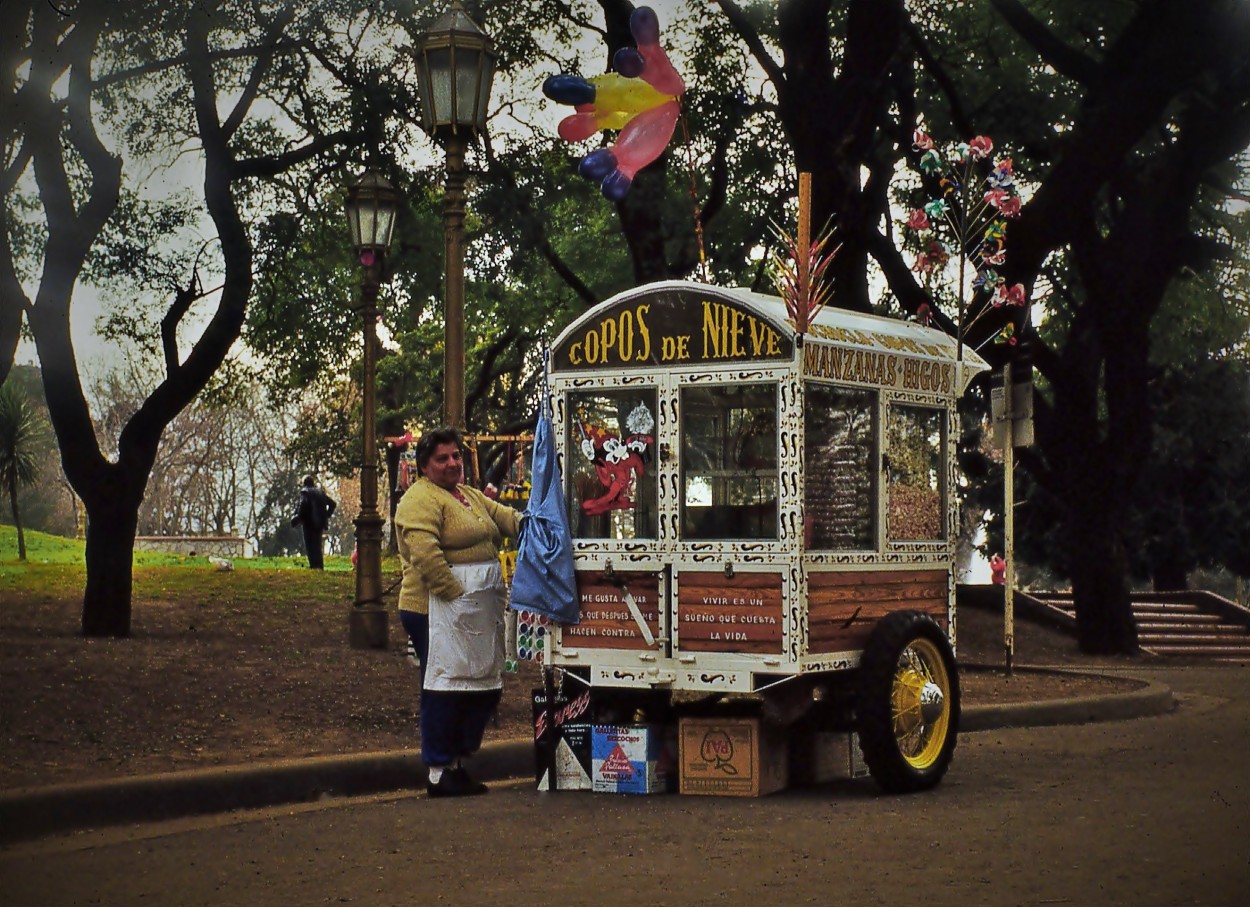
677	322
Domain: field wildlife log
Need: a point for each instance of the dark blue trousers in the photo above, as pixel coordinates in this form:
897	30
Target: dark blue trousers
453	722
418	628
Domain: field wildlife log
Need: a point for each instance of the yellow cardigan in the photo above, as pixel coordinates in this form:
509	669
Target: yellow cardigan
435	531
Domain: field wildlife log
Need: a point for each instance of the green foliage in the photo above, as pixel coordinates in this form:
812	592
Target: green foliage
22	433
1193	510
21	440
45	550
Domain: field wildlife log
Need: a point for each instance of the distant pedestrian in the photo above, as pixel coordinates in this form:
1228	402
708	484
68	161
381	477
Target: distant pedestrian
312	515
998	570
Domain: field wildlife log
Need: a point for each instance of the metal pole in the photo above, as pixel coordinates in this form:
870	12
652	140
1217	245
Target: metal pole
1009	521
367	625
453	237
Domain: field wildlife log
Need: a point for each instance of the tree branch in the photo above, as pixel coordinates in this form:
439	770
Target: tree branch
1064	59
737	18
264	59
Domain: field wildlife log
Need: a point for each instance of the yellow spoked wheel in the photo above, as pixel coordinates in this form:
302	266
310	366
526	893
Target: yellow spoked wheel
907	702
920	703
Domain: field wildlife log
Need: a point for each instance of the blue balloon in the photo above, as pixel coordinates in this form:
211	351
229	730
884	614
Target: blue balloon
569	89
628	62
615	186
598	164
644	24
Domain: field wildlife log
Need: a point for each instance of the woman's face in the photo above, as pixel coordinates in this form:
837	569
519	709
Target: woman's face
445	467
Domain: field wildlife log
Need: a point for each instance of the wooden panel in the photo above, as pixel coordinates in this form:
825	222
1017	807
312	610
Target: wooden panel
873	577
606	622
844	607
736	646
821	605
741	613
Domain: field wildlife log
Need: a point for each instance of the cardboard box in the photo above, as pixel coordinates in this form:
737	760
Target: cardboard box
732	757
630	759
824	756
570	738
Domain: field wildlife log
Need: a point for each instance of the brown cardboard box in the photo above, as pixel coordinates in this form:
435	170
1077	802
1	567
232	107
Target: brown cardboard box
822	756
731	757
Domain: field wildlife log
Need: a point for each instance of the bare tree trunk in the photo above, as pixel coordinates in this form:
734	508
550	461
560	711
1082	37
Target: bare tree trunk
1104	608
106	605
17	521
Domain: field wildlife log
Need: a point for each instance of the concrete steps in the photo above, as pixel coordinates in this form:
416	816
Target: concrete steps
1192	625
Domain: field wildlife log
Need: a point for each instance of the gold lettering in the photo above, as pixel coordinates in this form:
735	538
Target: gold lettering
759	337
607	338
711	328
735	348
644	351
626	331
575	356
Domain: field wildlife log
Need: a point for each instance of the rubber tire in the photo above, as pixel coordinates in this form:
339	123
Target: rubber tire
879	670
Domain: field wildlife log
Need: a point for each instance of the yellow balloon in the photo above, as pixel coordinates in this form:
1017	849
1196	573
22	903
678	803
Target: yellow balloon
617	95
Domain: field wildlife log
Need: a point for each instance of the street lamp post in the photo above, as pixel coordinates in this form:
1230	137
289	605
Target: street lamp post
371	205
455	65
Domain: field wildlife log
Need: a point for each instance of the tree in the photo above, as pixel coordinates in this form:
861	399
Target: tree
1118	132
20	434
73	62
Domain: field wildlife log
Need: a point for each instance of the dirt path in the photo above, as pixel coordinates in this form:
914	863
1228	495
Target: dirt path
1142	813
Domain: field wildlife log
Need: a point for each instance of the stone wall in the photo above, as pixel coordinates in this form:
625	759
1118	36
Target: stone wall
200	545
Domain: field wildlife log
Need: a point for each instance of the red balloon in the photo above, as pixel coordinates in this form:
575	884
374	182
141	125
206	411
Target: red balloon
645	138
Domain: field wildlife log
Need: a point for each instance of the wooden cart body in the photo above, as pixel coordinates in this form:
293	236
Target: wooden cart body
761	498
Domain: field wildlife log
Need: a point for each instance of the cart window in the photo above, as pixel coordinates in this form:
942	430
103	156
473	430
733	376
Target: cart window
729	462
611	445
839	455
916	471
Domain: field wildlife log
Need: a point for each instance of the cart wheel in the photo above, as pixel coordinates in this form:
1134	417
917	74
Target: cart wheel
907	702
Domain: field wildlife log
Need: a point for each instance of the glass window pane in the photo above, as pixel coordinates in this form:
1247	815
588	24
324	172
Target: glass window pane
840	457
916	442
611	445
729	462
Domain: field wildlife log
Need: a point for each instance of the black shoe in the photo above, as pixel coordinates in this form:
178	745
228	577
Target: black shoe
455	782
474	787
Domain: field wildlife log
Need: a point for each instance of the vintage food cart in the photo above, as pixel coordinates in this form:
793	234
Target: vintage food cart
760	512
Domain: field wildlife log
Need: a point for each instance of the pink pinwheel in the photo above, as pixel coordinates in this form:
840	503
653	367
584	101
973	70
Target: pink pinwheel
918	220
980	147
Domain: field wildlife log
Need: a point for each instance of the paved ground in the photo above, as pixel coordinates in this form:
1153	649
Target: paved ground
1151	811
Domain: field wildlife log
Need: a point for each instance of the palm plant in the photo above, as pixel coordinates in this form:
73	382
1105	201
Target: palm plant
20	431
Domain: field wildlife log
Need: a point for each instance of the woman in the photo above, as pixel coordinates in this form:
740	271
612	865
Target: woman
449	537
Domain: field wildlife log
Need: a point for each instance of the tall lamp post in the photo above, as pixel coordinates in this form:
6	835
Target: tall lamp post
455	65
371	205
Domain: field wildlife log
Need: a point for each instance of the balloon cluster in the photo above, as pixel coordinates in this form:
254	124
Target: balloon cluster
639	99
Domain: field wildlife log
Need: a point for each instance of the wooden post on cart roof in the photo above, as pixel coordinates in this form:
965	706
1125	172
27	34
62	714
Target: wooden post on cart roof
804	251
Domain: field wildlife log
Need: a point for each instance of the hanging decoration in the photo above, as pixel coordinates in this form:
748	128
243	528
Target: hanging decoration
969	223
640	99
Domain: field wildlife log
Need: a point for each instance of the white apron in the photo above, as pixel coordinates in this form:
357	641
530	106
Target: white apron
467	634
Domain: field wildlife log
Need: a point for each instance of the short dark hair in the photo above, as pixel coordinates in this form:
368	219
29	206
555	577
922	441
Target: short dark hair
432	439
309	481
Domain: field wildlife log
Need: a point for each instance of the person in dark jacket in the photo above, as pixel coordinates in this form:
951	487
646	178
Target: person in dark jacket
312	515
